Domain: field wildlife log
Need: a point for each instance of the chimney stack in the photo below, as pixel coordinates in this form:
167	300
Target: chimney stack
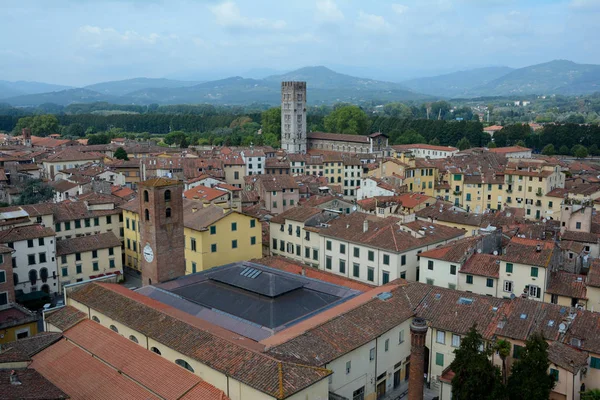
418	332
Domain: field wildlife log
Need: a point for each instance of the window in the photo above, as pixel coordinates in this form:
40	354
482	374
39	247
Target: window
3	298
111	251
348	366
65	271
534	291
57	227
252	223
508	286
274	204
387	344
167	195
213	248
327	261
41	241
77	256
234	244
342	266
42	257
147	214
441	337
95	319
371	255
114	328
145	196
429	281
306	252
578	225
95	266
430	265
328	245
315	254
193	267
133	339
370	274
233	226
554	374
2	276
133	225
509	268
385	277
356	252
67	226
356	270
213	230
489	282
342	248
155	350
534	272
31	259
193	244
63	259
94	253
386	259
29	242
595	362
452	269
87	223
455	340
184	364
78	268
253	242
168	213
372	354
517	351
439	359
403	275
401	336
111	263
470	279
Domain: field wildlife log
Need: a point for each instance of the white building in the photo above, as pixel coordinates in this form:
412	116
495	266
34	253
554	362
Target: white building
372	187
255	162
426	150
34	263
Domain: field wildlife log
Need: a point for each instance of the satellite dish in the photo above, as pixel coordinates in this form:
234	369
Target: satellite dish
478	251
495	252
544	220
353	208
512	296
562	327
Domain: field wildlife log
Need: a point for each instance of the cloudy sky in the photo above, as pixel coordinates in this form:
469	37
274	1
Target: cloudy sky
80	42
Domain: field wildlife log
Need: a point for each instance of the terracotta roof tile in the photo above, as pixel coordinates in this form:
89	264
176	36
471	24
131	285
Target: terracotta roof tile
593	278
563	283
457	251
483	265
298	214
339	137
26	232
64	317
524	251
567	357
204	193
33	386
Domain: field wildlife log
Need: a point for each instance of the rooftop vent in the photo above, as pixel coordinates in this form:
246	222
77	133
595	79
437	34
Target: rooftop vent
494	309
465	300
250	272
523	316
438	296
551	322
384	296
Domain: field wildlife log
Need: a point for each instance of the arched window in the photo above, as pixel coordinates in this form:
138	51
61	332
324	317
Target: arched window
147	214
15	279
44	274
167	195
157	351
114	328
95	319
46	289
33	276
133	339
168	213
184	364
145	196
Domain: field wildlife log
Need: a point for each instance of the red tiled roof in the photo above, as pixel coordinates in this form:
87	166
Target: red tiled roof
204	193
524	251
339	137
298	214
483	265
510	149
593	278
33	386
456	251
566	284
64	317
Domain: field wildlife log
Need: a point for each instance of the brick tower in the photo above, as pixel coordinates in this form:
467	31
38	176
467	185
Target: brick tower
418	332
293	117
161	230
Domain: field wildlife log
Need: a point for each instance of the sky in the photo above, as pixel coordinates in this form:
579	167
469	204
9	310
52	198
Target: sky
80	42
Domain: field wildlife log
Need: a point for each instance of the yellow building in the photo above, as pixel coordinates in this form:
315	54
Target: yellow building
16	322
213	236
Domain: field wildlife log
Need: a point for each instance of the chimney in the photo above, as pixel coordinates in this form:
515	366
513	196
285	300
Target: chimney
538	248
365	225
194	209
418	332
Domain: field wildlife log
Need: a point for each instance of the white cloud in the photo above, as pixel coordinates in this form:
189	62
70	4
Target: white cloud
399	8
99	37
328	11
373	23
228	14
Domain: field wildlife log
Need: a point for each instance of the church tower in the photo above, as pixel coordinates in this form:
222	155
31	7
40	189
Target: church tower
161	230
293	117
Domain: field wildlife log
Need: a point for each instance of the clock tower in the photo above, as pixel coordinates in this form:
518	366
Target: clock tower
161	230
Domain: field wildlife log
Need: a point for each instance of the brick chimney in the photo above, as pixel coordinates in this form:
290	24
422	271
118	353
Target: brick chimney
418	332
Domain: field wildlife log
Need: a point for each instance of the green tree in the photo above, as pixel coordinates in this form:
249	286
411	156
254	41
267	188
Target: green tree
549	150
121	154
75	130
434	142
529	379
184	143
579	151
593	149
347	119
475	377
593	394
463	144
564	150
271	121
503	348
521	143
491	145
35	191
98	138
40	125
409	137
175	137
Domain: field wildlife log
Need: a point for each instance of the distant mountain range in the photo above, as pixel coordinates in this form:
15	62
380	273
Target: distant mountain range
324	87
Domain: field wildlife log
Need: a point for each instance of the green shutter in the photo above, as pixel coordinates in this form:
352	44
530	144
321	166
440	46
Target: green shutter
534	272
439	359
509	268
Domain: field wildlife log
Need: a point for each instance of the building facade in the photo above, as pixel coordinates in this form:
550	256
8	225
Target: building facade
293	117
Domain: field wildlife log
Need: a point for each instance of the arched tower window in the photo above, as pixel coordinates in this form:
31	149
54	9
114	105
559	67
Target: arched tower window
145	196
168	213
147	214
167	195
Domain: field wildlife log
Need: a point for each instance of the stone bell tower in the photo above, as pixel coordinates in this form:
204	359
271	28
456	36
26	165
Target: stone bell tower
418	333
293	117
161	230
